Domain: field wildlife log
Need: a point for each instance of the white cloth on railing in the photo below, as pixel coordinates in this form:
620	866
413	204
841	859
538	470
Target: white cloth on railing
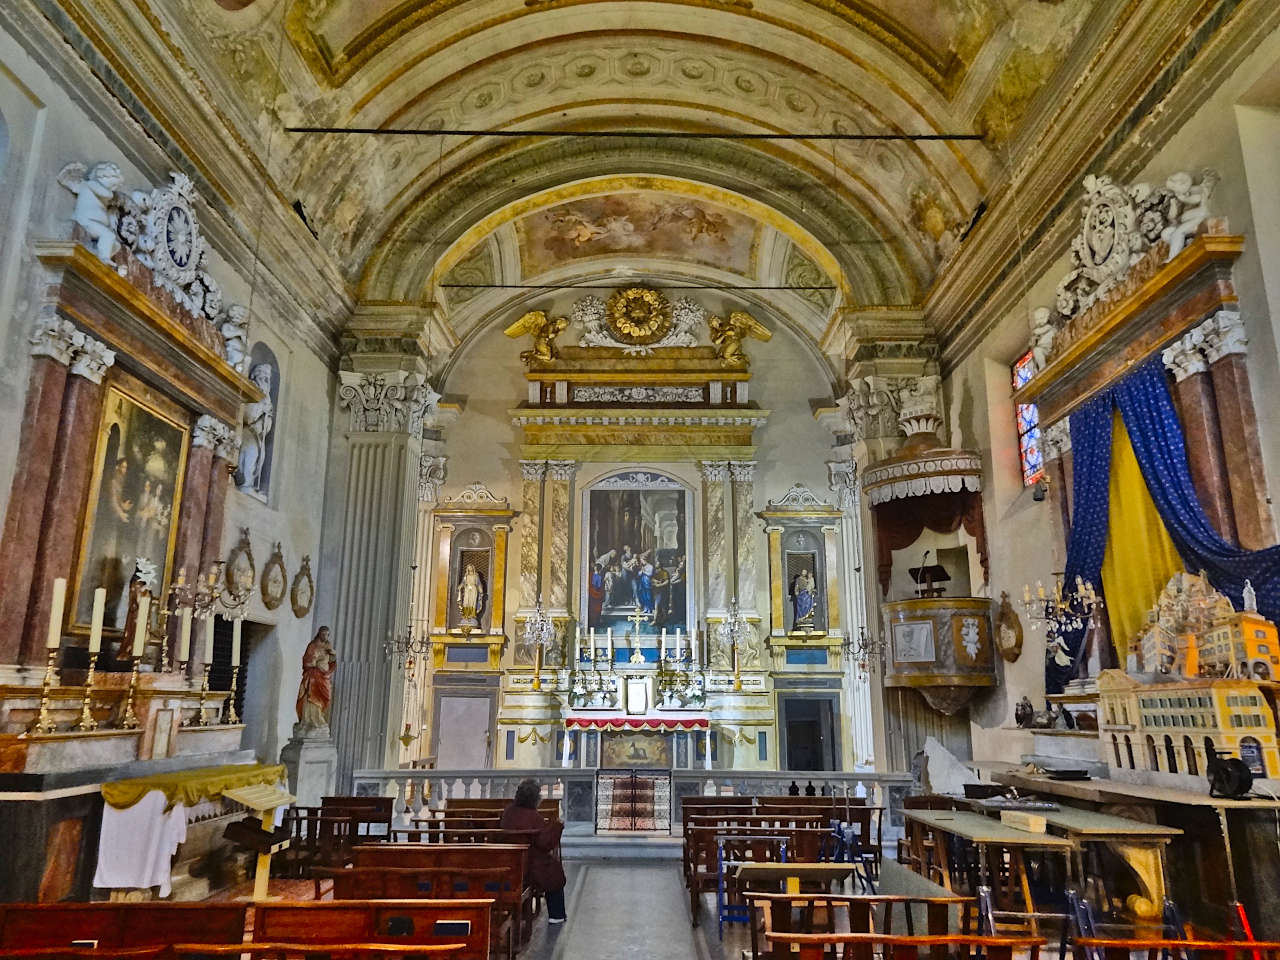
136	846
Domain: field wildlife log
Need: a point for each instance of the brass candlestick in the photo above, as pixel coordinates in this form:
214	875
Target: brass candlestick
130	719
199	720
43	723
232	716
86	721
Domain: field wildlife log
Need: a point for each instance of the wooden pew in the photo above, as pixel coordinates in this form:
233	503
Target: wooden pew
549	807
437	922
1178	949
698	844
283	951
475	862
88	953
115	925
367	812
865	946
804	845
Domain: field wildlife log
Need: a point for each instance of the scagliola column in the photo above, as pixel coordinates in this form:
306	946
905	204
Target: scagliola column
69	481
1226	348
379	510
53	345
226	454
715	473
1193	391
531	476
559	529
743	475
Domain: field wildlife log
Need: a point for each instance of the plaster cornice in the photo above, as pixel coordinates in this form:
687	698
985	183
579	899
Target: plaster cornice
1134	96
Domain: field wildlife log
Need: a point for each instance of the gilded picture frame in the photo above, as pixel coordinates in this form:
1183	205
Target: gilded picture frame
132	507
241	571
302	594
275	579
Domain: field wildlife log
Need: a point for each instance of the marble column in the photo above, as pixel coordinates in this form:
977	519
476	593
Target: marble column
1226	348
384	444
189	543
226	450
777	618
714	475
531	474
743	473
1056	444
69	480
864	727
559	529
53	346
1193	393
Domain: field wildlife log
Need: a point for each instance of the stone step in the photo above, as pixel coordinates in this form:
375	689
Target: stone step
621	846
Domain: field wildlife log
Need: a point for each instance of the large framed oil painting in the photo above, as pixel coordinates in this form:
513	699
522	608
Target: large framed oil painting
637	555
138	466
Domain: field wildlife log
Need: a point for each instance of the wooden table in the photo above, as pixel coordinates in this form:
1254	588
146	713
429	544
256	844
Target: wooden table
1104	791
984	832
791	874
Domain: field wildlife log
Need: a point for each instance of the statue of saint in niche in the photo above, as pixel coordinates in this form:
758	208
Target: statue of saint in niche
804	600
315	692
470	598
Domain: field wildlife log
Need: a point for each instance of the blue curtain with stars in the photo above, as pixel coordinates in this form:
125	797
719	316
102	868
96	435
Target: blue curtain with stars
1151	420
1087	544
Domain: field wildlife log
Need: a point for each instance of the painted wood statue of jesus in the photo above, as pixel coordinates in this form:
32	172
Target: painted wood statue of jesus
315	692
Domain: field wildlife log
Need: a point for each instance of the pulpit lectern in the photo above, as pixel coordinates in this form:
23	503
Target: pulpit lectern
926	576
263	799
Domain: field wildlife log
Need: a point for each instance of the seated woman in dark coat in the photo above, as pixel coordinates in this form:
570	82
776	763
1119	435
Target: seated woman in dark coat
542	869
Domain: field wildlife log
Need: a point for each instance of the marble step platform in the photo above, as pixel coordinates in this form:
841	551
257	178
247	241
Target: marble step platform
580	843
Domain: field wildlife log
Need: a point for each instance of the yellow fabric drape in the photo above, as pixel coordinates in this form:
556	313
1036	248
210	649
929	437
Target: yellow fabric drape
189	787
1140	557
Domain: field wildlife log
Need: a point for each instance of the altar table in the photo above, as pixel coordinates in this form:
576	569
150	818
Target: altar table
144	820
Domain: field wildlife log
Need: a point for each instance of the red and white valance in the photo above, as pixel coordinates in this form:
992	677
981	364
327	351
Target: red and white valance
661	724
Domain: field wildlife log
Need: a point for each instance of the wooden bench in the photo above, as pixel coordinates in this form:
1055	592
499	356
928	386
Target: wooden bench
117	925
866	946
390	951
1181	949
698	853
88	953
438	922
549	807
778	911
471	865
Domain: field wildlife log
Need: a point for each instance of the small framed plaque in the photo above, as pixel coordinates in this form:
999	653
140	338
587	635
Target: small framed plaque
913	642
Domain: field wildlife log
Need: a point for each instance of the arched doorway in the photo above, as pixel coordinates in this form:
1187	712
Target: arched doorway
1153	755
1128	749
1251	754
1171	754
1115	748
1188	748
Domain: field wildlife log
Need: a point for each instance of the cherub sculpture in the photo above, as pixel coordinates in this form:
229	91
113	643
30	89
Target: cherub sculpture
95	189
544	331
728	334
1190	209
235	326
1042	333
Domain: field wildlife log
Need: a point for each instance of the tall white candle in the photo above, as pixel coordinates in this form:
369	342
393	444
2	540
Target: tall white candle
55	613
95	627
235	641
184	636
662	644
608	639
678	641
577	647
140	626
208	639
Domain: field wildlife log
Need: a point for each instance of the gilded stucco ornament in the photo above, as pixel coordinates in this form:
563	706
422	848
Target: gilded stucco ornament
593	316
543	330
728	334
638	315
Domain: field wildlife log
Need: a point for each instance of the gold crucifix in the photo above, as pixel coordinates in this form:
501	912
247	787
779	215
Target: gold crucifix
635	620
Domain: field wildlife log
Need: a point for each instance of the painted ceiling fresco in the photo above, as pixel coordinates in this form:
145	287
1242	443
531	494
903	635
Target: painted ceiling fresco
646	224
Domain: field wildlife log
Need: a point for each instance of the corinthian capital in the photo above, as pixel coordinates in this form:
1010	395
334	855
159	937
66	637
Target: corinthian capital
57	339
562	469
92	359
742	471
1224	336
714	471
1183	357
532	469
390	402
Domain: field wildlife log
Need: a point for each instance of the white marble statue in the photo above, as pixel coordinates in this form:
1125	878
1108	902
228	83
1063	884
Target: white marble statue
95	191
1190	210
470	597
234	329
259	420
1042	333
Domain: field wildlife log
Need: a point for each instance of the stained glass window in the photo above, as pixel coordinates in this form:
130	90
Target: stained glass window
1029	452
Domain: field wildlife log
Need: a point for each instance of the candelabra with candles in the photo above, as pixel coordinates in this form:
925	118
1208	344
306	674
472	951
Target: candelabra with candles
410	643
1064	610
540	633
735	630
862	648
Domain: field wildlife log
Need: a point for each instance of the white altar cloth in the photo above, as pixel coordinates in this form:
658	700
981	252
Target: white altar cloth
137	844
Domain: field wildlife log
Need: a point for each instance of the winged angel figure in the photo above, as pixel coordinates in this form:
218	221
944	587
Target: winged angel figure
728	334
95	189
544	331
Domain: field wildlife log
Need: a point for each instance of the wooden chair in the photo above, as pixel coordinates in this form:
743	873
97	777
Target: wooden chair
374	814
1085	948
732	850
119	925
865	946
